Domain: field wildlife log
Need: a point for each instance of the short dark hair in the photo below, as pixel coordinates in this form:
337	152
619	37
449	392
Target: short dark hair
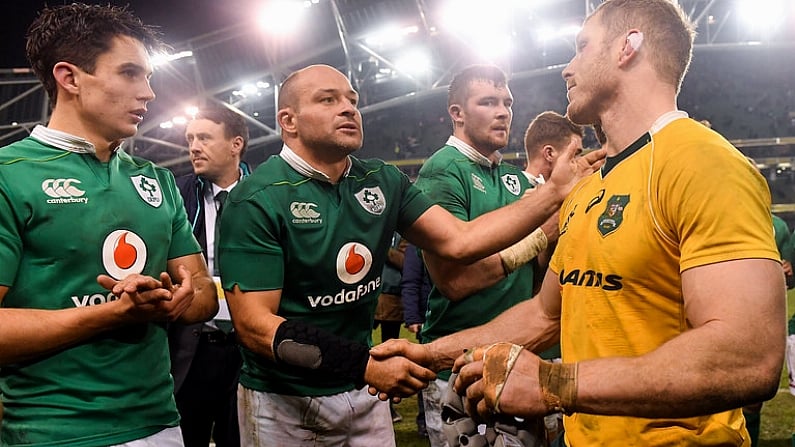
458	91
78	34
234	124
549	128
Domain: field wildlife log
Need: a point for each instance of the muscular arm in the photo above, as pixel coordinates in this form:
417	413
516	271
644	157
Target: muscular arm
457	281
29	333
255	319
205	296
534	324
440	232
732	357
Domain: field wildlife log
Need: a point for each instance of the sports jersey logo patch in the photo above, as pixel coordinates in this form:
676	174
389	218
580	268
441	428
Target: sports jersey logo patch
353	262
304	213
611	218
372	200
149	189
511	182
123	253
477	183
63	190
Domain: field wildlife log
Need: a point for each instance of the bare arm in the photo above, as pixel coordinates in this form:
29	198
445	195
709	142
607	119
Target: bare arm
732	357
204	304
534	324
457	281
26	334
256	322
439	231
255	319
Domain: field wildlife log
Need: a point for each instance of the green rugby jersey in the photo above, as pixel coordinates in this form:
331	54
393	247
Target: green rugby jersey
324	245
66	217
468	185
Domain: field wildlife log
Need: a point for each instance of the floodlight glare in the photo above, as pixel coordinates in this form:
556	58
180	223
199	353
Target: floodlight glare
191	111
282	16
164	58
762	15
414	62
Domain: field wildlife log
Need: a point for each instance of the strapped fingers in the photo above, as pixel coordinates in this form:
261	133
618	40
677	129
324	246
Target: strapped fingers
498	361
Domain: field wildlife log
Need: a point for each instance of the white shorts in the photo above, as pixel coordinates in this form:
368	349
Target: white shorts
170	437
350	419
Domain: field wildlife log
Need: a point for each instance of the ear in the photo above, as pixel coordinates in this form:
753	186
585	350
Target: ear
67	77
286	119
549	152
632	44
456	114
237	145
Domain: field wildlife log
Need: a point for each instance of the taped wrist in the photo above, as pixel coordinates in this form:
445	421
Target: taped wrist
523	251
302	345
558	386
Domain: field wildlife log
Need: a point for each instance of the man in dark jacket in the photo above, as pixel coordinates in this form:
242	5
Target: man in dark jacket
205	360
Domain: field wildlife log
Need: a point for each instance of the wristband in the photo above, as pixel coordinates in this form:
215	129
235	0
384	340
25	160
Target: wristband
302	345
558	386
523	251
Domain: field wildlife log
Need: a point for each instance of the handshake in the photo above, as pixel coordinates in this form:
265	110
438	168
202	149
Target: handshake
502	378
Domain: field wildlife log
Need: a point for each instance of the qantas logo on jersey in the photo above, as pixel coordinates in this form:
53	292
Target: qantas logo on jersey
354	261
511	182
305	213
63	190
591	278
123	253
372	200
149	189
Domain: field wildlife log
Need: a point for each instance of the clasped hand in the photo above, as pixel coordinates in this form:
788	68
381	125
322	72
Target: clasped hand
398	368
150	299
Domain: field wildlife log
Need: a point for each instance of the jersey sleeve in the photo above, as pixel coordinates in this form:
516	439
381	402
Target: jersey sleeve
714	205
10	238
413	203
183	242
444	186
250	253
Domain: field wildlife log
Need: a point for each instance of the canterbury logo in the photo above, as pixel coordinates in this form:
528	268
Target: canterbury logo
304	210
61	188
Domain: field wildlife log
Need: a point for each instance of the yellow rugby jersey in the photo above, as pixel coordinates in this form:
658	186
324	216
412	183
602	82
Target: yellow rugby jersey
677	198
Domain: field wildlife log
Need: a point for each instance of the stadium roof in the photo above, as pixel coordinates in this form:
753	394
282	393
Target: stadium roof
393	50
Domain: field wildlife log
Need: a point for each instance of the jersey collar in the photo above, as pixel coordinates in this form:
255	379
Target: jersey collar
660	123
472	154
63	140
305	169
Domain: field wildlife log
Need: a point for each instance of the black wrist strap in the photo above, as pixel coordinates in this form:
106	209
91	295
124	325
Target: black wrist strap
302	345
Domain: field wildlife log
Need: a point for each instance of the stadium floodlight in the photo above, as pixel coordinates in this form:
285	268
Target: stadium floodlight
484	26
414	62
164	58
389	35
179	120
166	125
191	111
762	15
548	33
282	16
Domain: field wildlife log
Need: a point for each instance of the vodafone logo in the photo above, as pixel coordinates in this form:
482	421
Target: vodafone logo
353	262
123	253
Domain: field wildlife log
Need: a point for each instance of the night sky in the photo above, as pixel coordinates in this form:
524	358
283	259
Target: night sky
178	20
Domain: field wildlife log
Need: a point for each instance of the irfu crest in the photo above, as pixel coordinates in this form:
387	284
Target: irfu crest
148	189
